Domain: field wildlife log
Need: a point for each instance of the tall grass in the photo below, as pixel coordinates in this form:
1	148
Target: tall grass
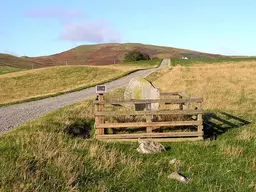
227	86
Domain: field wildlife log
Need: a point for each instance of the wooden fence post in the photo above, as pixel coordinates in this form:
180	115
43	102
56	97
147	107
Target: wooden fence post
96	109
200	127
181	105
200	118
101	119
149	120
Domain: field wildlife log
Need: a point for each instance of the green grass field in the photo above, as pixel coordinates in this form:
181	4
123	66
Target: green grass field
7	69
41	156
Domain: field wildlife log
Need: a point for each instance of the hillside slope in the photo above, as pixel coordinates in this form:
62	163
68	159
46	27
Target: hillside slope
18	62
40	83
105	54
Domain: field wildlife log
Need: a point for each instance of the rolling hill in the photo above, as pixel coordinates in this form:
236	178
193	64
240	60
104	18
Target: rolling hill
100	54
17	62
105	54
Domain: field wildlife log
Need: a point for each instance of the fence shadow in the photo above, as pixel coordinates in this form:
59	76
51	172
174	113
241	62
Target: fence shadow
80	128
218	123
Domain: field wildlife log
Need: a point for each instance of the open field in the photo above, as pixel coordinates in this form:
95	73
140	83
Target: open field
224	86
40	156
43	82
205	61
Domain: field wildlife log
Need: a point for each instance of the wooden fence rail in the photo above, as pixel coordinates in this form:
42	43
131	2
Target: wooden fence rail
196	122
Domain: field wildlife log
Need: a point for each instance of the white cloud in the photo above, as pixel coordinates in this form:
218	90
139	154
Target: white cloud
89	31
75	27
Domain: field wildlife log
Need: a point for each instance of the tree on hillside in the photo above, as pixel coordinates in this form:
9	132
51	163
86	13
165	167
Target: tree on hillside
135	55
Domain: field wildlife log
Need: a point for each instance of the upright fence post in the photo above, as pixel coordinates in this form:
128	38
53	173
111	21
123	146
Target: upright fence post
96	109
181	105
200	118
149	120
101	119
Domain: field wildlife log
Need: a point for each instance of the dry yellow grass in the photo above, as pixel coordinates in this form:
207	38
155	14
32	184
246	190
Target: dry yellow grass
246	135
232	150
223	86
47	81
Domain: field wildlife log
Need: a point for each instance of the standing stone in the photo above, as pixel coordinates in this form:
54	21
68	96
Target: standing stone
141	89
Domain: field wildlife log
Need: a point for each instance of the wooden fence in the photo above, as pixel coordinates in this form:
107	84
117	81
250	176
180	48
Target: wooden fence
184	109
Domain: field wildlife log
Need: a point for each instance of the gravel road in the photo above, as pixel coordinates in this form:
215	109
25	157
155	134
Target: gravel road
15	115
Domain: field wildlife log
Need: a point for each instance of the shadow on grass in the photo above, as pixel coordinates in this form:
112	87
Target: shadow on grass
218	123
80	128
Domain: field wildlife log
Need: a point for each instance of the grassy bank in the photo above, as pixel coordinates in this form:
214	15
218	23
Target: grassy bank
41	156
44	82
52	81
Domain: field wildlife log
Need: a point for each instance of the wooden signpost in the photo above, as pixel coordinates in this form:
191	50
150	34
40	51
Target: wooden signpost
100	90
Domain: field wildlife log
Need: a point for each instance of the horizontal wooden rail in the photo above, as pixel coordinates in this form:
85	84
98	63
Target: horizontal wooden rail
150	135
178	139
170	93
164	112
177	98
148	101
150	124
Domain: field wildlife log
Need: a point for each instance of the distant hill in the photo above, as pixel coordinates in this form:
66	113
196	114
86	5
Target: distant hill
100	54
18	62
104	54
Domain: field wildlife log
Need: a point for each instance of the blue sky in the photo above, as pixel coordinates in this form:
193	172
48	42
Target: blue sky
45	27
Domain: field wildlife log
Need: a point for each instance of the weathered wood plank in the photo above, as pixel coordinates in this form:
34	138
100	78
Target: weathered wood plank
149	120
147	135
169	101
101	108
156	139
200	127
164	112
145	124
170	93
181	105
